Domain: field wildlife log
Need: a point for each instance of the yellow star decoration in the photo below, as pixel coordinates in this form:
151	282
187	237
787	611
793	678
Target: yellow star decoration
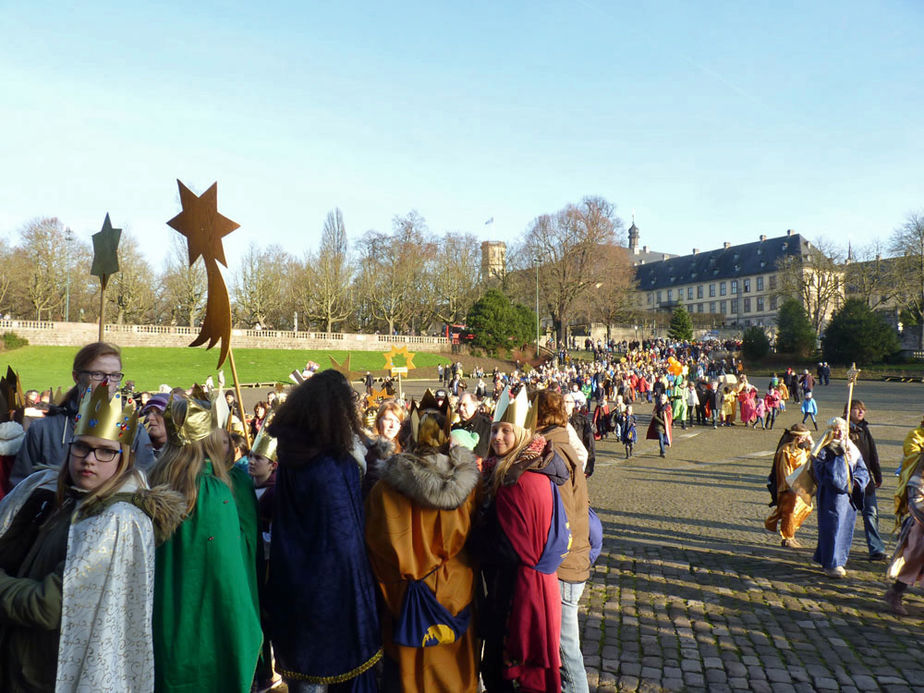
379	394
395	351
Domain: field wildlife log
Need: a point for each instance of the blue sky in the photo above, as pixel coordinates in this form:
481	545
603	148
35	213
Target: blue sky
714	121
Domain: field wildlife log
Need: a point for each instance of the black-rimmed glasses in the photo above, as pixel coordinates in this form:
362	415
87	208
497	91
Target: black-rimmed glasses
79	449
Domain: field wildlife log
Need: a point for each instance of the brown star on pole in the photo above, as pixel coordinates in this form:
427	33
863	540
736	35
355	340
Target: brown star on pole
202	224
343	367
204	228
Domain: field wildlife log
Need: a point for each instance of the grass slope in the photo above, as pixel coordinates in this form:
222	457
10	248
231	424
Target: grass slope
41	367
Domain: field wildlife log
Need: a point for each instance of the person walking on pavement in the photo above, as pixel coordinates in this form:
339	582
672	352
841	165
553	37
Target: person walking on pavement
810	409
863	439
660	427
790	511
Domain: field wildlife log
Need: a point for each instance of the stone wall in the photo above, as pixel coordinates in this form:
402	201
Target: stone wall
80	333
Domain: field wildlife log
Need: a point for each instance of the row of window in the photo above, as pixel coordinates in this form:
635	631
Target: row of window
722	289
759	305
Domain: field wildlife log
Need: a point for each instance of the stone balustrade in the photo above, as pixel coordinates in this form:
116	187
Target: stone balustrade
80	333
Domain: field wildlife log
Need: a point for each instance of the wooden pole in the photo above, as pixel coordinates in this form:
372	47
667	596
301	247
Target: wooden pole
102	304
240	400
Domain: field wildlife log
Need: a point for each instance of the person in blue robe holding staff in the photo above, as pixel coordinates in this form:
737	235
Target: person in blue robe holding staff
842	477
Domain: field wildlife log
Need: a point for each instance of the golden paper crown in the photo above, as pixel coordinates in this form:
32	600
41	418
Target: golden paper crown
425	426
265	444
109	417
515	409
199	422
12	401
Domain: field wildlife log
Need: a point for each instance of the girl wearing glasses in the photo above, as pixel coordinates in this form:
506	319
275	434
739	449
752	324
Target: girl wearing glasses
77	562
45	444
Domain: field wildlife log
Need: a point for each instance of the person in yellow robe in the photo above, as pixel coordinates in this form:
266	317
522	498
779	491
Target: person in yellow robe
911	449
729	406
418	518
790	511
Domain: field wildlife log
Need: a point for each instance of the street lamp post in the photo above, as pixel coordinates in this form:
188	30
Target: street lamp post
68	237
537	306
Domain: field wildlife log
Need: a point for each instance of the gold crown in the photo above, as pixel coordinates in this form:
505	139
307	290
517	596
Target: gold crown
109	417
265	444
12	401
515	409
200	418
425	427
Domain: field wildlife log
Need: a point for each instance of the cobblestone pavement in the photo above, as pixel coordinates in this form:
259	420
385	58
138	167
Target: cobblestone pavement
692	593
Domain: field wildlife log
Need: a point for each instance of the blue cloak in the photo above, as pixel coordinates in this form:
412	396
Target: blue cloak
837	508
321	595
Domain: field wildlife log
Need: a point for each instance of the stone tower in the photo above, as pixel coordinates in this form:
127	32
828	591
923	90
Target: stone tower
633	238
493	259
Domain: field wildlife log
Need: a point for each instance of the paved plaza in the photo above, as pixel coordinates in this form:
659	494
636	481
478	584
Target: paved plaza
692	593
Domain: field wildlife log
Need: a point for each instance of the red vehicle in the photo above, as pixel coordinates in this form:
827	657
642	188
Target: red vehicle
458	334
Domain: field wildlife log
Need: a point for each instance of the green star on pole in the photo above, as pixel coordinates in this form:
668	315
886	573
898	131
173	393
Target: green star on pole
105	252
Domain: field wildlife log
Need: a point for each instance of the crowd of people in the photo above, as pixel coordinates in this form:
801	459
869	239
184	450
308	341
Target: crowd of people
364	542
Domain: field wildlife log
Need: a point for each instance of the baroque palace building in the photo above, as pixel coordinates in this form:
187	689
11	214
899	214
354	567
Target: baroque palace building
735	286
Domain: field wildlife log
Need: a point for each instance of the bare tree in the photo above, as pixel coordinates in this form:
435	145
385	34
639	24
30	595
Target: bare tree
390	268
816	278
870	276
567	245
130	294
452	276
7	254
44	249
328	276
184	288
612	300
259	288
907	243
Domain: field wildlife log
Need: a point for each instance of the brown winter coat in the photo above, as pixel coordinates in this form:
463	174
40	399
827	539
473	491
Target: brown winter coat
576	566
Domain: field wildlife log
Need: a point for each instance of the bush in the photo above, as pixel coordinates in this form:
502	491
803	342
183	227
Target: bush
858	334
755	345
11	340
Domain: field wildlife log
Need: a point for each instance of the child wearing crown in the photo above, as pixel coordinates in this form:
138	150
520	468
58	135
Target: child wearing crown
77	561
206	624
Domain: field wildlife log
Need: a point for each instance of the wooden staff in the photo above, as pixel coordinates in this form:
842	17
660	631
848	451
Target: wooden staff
852	375
240	400
103	280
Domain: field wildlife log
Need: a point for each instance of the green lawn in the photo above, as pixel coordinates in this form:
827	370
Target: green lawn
41	367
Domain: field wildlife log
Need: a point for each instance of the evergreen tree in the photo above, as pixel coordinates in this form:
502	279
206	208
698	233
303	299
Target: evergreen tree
756	344
681	327
498	323
857	333
795	334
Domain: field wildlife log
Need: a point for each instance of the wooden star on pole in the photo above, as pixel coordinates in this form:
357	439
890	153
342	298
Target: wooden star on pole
204	227
343	367
105	252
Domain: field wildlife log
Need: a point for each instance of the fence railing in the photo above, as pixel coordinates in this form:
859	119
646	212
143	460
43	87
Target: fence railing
115	329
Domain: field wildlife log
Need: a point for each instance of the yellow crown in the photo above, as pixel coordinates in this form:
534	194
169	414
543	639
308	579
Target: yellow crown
109	417
199	422
265	444
515	409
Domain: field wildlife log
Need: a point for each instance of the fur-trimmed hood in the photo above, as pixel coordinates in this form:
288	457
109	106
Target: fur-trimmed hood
11	437
436	480
165	507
